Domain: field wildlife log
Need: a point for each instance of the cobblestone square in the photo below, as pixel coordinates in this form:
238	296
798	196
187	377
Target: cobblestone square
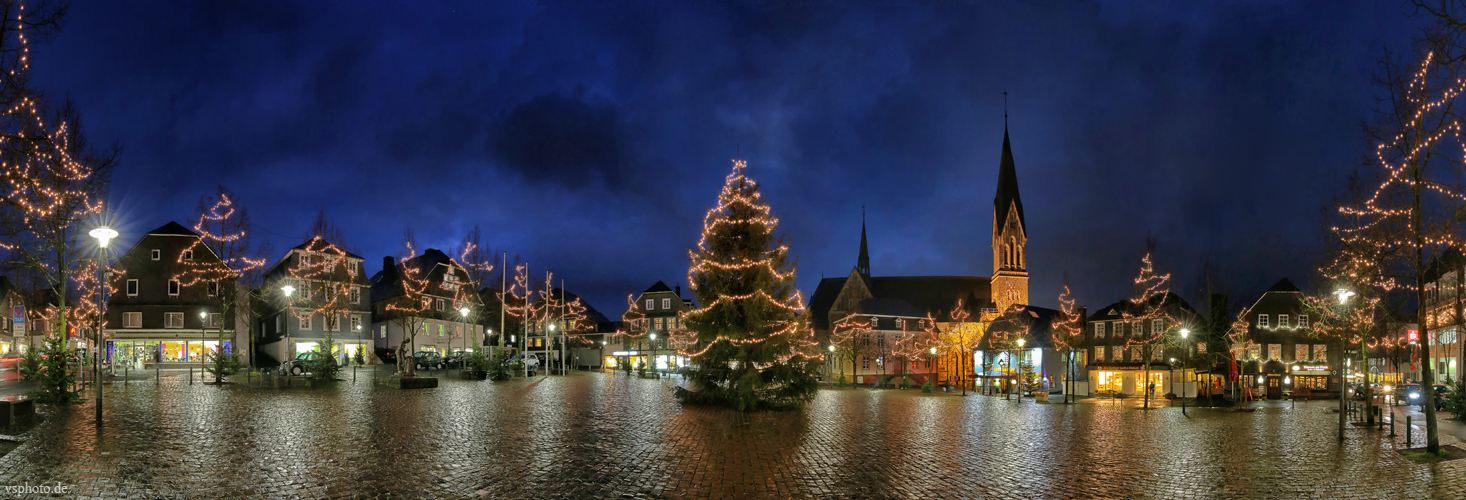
610	436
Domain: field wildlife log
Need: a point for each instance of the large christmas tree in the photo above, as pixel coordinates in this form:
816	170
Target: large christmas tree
750	344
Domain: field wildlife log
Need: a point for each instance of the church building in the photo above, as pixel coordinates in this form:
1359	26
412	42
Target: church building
876	326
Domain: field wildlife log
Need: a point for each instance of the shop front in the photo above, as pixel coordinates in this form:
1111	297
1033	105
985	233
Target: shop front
1128	381
147	354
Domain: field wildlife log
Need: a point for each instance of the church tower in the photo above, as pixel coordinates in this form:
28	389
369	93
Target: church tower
862	263
1010	236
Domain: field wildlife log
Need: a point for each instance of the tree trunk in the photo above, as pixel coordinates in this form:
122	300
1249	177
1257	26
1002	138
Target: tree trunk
1343	388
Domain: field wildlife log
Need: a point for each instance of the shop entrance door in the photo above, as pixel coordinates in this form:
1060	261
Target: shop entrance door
1274	387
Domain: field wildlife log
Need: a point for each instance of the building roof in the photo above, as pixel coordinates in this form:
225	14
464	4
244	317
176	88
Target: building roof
1039	320
658	287
862	261
172	229
1283	285
309	248
1447	261
885	306
1124	306
926	294
1008	189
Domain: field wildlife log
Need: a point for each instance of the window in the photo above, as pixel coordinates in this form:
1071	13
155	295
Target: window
131	288
173	288
1282	321
900	324
305	291
1262	321
658	323
157	254
355	295
666	303
132	320
440	304
305	323
174	320
440	329
384	331
1157	326
865	362
651	304
356	323
188	255
212	288
1302	321
1099	333
213	320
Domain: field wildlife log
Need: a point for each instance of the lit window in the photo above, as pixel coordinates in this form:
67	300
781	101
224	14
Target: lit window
1262	321
1282	321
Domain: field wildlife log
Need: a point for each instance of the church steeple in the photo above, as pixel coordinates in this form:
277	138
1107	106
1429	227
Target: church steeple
862	263
1010	234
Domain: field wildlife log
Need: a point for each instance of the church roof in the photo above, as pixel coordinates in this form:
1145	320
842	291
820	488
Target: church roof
862	262
926	294
1008	189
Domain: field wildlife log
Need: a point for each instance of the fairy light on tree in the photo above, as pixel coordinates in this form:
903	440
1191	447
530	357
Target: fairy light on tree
1068	337
322	277
851	338
753	348
1150	318
959	341
224	263
1415	211
477	262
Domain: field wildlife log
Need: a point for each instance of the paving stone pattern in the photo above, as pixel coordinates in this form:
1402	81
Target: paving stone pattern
610	436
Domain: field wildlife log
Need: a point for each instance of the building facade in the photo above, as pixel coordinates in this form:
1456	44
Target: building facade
1283	353
658	312
154	318
315	290
444	327
1132	356
1445	300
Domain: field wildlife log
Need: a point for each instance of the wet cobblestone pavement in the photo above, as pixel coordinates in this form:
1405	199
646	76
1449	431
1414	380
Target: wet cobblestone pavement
609	436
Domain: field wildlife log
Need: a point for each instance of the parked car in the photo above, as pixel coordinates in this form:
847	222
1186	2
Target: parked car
426	360
1411	394
1442	391
531	363
301	365
387	355
454	360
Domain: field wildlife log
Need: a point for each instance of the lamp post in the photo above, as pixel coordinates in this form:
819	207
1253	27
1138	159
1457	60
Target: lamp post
103	235
832	358
653	359
203	334
288	291
931	365
1344	295
549	350
1186	354
467	329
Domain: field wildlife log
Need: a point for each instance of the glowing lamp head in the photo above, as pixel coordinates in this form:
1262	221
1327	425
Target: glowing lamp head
832	348
552	327
1344	295
203	314
1021	342
289	290
463	311
103	235
1185	333
933	351
654	336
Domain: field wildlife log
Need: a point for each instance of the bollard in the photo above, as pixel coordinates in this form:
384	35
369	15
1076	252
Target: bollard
126	374
1392	422
157	374
353	374
190	376
1408	418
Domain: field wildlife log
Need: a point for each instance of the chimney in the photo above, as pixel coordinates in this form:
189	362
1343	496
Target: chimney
389	263
679	290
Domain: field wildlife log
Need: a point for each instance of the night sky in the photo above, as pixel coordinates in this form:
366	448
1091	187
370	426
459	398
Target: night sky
590	140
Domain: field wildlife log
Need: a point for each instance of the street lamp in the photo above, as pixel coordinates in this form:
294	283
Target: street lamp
1344	295
203	333
930	366
467	329
653	359
1017	381
103	234
288	291
1186	354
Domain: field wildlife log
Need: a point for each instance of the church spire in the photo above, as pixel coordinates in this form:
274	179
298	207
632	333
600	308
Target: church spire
862	263
1008	188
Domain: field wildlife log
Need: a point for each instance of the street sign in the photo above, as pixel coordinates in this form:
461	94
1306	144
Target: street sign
19	320
1412	335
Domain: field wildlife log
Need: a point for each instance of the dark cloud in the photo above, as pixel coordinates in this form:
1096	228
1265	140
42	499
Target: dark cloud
590	138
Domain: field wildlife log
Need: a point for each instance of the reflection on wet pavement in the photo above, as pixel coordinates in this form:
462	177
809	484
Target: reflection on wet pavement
600	435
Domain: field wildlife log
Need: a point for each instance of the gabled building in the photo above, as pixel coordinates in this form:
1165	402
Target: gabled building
292	319
1001	363
660	309
443	328
153	318
1118	354
1282	352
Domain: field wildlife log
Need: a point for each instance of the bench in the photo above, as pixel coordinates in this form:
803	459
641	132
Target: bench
14	408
